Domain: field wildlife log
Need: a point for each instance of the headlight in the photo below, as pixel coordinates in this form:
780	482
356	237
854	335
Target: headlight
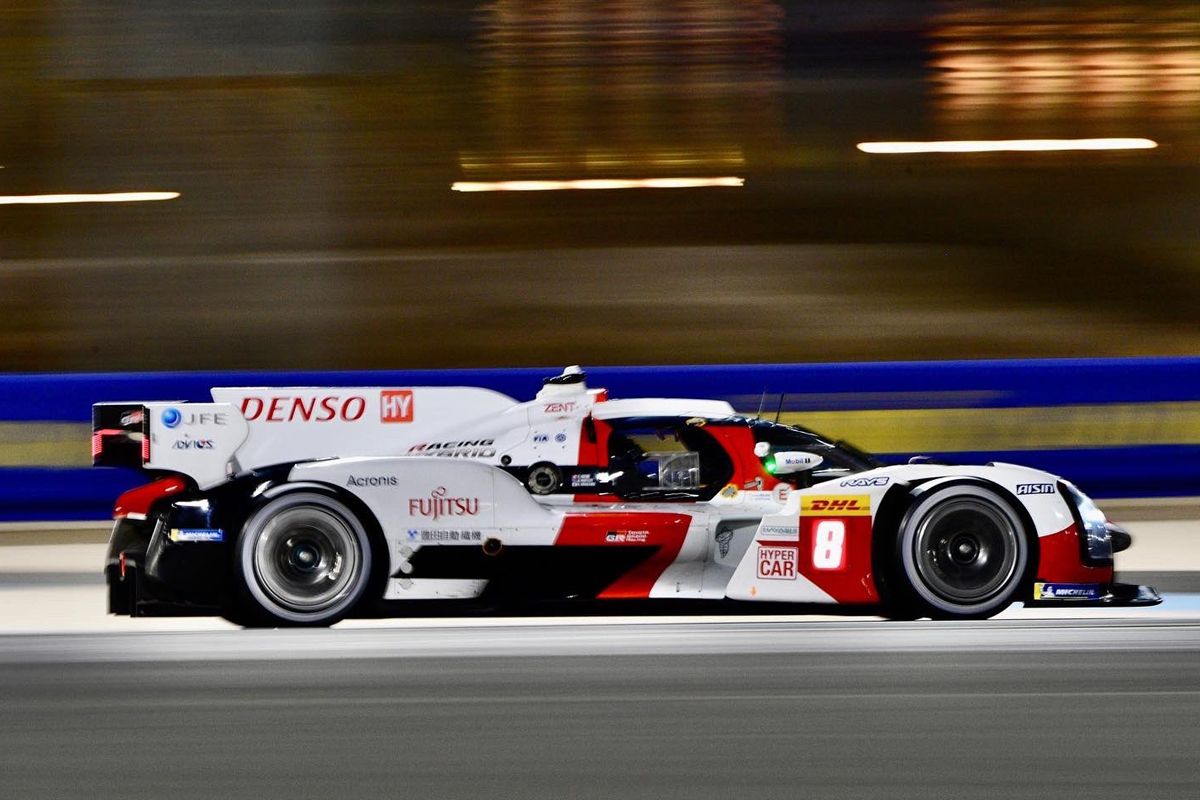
1093	526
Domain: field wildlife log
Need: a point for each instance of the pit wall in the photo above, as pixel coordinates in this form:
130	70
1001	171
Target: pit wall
1116	427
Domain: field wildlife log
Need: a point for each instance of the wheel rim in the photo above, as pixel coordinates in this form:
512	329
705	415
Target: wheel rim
966	550
306	559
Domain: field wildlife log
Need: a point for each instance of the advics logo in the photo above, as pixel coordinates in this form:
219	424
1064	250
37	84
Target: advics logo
396	405
171	417
194	444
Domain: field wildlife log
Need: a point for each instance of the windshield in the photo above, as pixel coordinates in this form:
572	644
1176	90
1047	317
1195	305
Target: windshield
838	459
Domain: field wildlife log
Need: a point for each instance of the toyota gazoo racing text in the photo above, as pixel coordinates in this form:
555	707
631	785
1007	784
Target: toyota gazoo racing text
302	506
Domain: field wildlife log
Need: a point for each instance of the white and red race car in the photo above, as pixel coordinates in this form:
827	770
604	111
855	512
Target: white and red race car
302	506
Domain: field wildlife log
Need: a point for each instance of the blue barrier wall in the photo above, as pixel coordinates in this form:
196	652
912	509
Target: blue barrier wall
1117	427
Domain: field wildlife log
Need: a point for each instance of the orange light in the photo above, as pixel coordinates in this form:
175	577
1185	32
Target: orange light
1006	145
594	183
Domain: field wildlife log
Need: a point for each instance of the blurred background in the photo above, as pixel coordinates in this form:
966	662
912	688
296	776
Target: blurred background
355	182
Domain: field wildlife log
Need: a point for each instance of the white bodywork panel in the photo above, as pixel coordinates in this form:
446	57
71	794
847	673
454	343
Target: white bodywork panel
663	407
196	439
1034	489
298	423
421	502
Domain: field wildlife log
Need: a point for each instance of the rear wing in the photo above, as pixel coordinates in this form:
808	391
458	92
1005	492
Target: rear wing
193	439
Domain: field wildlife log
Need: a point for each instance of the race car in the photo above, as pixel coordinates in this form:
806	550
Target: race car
303	506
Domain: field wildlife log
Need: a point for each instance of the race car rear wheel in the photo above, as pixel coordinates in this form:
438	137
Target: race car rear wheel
303	559
963	553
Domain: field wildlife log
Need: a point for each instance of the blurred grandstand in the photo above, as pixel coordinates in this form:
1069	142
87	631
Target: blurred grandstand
316	147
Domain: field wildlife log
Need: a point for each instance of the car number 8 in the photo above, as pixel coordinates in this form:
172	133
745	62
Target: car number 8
829	544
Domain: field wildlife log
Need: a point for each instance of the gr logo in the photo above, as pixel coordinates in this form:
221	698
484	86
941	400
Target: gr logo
396	405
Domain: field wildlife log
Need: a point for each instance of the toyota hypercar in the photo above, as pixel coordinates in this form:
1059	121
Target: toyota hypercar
303	506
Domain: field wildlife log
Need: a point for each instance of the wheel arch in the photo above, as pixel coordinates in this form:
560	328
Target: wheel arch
381	560
894	513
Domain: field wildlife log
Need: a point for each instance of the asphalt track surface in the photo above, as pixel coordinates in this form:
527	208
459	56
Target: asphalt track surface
1058	703
770	708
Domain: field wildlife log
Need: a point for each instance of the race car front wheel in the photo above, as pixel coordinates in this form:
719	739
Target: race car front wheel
303	559
963	553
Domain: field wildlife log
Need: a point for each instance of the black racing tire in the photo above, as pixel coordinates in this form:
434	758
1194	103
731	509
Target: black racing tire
962	552
303	559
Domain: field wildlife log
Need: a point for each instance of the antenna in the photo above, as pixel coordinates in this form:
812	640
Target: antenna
779	410
762	402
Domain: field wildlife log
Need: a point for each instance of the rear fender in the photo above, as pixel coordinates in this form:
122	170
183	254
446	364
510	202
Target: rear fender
422	502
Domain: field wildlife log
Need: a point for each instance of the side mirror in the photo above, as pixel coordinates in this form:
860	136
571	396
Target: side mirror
792	461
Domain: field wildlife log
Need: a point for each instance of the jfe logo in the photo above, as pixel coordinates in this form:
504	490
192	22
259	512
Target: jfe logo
396	405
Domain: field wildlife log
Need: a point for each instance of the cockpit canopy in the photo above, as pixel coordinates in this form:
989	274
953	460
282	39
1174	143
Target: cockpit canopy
676	458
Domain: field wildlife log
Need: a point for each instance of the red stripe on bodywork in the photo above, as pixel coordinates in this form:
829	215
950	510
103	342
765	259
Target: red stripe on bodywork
851	583
662	531
738	443
1062	560
594	454
138	502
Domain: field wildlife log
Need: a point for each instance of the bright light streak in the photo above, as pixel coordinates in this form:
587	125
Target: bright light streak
109	197
1007	145
594	183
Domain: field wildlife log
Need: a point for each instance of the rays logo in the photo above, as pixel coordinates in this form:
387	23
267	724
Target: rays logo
883	481
171	417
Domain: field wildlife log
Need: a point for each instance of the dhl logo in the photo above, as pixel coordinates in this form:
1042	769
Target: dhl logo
857	505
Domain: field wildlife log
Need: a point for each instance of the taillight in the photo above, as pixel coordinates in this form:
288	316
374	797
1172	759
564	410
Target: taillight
120	435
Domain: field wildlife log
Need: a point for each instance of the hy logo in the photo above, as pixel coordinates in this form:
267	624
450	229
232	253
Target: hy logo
396	405
171	417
